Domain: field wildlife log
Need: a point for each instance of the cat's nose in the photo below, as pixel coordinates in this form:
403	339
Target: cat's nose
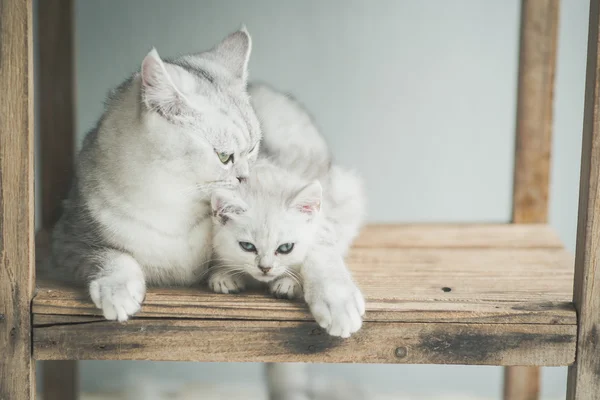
241	179
264	269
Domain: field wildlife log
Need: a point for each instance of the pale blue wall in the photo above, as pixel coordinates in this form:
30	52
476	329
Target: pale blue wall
419	96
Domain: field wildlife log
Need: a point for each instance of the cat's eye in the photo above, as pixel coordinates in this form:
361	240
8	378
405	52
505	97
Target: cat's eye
247	246
285	248
225	158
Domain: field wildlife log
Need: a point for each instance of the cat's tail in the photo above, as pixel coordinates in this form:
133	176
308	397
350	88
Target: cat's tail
344	204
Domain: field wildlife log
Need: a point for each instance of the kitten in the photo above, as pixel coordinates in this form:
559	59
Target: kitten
287	229
138	212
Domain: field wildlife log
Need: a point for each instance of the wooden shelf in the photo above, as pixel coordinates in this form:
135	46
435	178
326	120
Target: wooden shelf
468	294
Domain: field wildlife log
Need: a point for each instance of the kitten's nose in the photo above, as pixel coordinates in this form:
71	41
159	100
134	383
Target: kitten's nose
265	270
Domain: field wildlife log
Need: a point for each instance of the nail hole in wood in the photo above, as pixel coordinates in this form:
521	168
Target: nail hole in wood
446	289
401	352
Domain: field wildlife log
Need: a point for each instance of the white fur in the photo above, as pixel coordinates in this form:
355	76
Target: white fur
120	290
282	203
147	175
269	210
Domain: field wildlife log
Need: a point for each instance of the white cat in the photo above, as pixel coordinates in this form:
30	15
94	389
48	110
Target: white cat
291	222
138	212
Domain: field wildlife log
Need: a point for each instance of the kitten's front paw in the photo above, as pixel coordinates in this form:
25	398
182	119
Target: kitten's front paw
338	307
285	288
118	297
223	283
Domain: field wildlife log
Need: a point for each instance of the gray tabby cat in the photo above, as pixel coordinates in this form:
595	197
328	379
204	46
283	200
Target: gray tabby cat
138	212
291	222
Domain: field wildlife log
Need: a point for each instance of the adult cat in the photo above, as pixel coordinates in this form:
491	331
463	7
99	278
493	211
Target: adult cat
138	210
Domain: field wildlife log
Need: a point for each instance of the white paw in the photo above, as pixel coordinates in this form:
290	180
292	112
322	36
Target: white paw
224	283
285	288
118	296
338	307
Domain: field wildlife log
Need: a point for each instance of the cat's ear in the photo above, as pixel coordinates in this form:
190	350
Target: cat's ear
234	53
160	90
308	199
226	205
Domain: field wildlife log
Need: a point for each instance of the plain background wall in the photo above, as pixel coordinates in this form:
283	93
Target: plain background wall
418	96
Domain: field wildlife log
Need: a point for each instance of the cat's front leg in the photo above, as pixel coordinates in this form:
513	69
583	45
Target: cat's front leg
334	300
222	280
285	287
119	287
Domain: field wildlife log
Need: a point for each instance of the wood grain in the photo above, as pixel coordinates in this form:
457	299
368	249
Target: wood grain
17	371
57	104
537	62
382	236
584	375
423	284
282	341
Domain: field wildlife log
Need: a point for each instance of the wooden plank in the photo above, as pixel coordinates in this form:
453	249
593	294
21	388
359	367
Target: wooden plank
17	273
537	62
272	341
200	304
404	285
57	104
584	375
457	236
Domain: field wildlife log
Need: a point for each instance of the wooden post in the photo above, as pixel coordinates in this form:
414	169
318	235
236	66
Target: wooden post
17	271
537	60
584	375
56	105
57	130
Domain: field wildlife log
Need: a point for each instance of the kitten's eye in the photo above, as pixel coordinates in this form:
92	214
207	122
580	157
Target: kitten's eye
225	158
247	246
285	248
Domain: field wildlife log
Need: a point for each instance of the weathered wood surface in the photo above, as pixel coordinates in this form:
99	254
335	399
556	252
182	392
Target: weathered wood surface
17	371
584	375
382	236
537	63
523	284
286	341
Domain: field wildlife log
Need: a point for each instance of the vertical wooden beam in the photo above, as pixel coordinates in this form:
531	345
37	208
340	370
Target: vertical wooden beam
584	375
61	380
56	105
521	383
57	130
537	62
17	271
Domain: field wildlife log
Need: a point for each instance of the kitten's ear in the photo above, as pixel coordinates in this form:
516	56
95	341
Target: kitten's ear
159	86
226	205
234	53
308	199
